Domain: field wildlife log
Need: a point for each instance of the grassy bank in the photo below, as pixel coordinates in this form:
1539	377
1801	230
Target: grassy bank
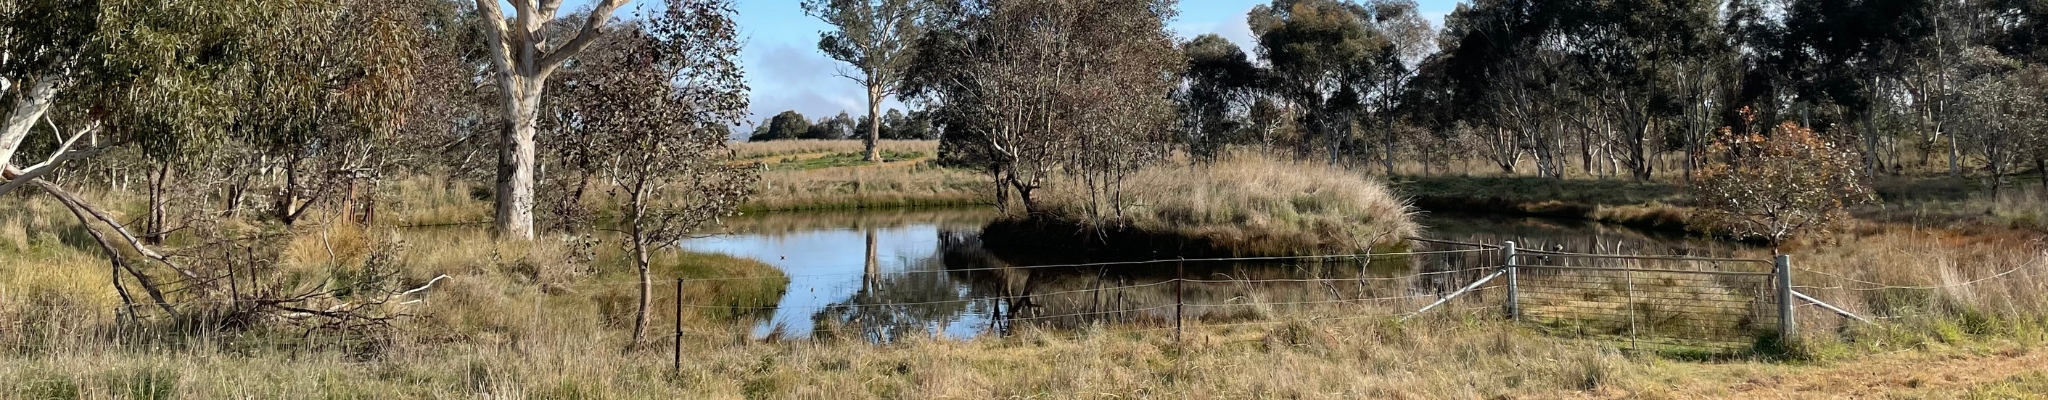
1445	355
885	186
829	175
1641	205
1925	200
503	304
1241	205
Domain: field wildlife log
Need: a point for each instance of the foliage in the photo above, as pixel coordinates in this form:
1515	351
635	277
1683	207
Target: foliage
1031	89
645	117
1789	184
1220	83
786	125
875	37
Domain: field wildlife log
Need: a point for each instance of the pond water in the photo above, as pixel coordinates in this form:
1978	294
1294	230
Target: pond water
886	274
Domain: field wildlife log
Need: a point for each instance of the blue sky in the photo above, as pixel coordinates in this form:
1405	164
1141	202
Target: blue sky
787	72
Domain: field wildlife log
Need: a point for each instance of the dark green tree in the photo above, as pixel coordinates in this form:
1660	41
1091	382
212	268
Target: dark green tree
1215	95
784	126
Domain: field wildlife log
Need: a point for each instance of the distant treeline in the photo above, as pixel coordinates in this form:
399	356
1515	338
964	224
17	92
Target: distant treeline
917	125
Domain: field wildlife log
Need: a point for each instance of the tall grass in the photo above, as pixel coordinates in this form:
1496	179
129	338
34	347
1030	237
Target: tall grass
1251	204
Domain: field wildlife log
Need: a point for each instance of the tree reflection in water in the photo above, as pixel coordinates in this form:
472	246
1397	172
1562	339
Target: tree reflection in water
907	286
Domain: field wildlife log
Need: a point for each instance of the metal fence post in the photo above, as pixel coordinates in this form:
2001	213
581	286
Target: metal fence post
1787	328
677	355
1180	277
1514	305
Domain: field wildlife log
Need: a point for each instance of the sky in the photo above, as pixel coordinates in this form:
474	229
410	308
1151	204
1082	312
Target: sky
787	72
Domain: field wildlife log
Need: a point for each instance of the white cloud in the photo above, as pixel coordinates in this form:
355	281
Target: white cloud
784	76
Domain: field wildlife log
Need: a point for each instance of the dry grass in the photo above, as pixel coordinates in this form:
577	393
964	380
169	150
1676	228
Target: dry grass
1255	204
747	150
432	199
796	179
548	320
911	185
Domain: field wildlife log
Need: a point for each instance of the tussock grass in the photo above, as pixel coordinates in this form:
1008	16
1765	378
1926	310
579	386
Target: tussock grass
1250	204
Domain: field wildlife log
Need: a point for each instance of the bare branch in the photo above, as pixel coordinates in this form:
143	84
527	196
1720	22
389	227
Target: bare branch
114	256
133	242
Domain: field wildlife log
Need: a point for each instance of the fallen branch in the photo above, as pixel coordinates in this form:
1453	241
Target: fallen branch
133	242
114	256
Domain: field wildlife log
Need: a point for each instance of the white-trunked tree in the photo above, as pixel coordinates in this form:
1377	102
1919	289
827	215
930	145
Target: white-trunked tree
523	58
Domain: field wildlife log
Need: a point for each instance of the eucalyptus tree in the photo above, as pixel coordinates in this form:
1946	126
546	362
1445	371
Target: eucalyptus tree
1031	89
80	67
646	113
875	37
315	106
1324	57
195	82
522	57
2003	101
783	126
1216	96
1412	38
1841	56
1633	55
1498	71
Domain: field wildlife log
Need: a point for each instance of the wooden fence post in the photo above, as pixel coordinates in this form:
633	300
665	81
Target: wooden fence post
1514	305
1787	327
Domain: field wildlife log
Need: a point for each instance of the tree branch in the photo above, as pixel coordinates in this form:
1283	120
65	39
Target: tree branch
16	177
493	25
133	242
29	109
592	28
114	256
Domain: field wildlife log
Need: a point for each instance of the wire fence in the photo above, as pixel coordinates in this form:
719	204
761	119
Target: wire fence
1658	303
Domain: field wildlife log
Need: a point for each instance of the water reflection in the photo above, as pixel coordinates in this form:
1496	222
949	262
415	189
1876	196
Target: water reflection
881	276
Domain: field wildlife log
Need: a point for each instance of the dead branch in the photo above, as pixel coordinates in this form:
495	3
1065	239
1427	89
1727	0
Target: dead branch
114	256
133	242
